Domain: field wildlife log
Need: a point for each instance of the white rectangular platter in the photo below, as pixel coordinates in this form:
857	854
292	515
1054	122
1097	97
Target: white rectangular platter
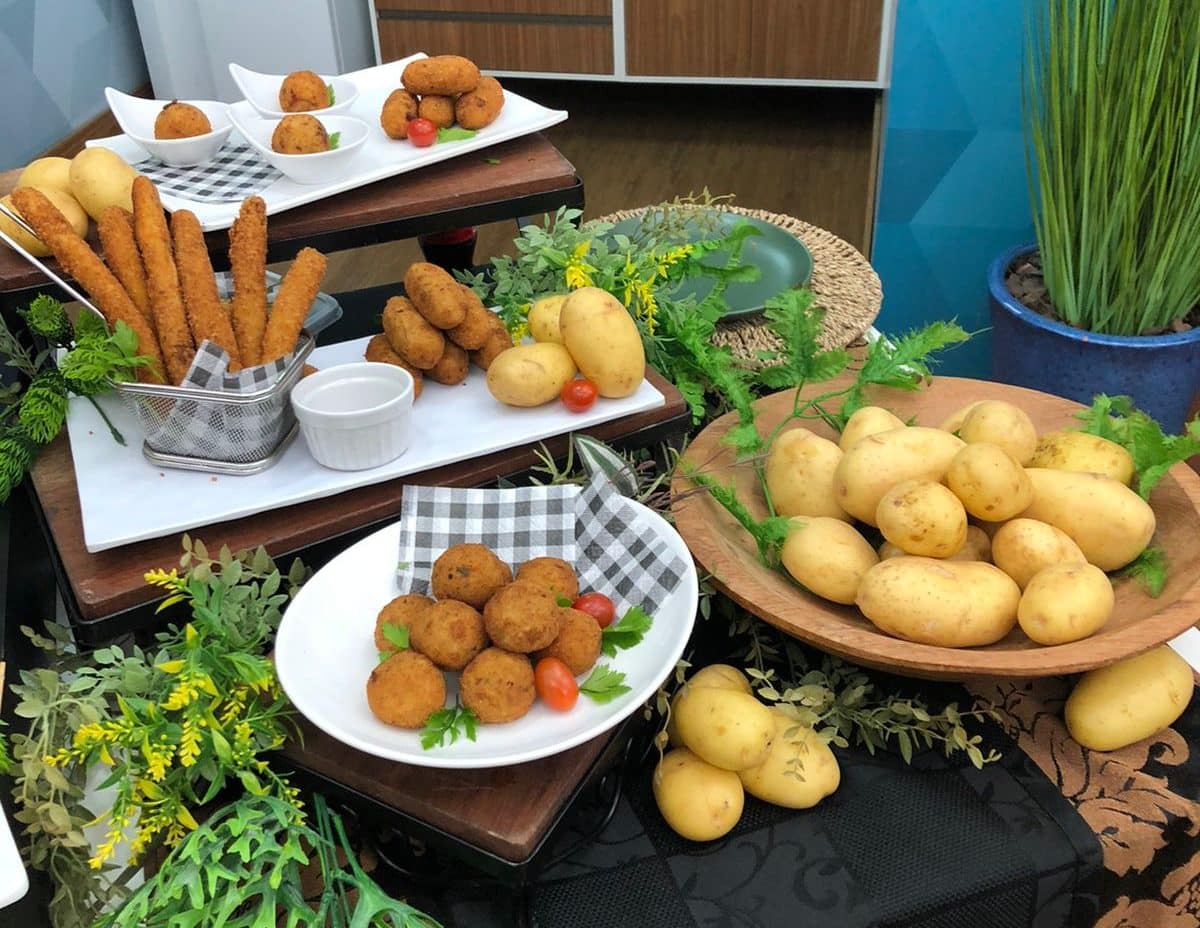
124	498
381	157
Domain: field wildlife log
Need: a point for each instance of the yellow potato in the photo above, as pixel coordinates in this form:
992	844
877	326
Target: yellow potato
923	518
66	205
1124	703
880	461
1064	603
1084	453
977	547
530	375
828	556
954	422
714	676
100	178
999	423
990	482
799	771
699	801
870	420
1111	524
604	341
799	474
952	604
543	318
1024	547
47	172
725	728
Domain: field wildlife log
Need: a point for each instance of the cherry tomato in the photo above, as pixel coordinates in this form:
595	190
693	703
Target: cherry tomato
421	132
598	606
555	684
578	395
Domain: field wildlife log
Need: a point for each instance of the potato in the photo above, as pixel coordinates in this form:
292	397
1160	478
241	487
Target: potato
100	178
1111	524
530	375
800	769
543	318
1024	547
1064	603
1126	702
604	341
923	518
714	676
1083	453
66	205
47	172
999	423
952	604
990	482
699	801
954	421
869	420
725	728
977	547
828	556
880	461
799	475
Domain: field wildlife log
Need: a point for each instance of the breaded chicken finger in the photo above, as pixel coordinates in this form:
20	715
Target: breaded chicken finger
205	314
295	297
248	259
162	279
122	257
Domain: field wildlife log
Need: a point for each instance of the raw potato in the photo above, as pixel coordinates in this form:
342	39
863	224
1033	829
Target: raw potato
828	556
604	341
1024	547
951	604
923	518
799	475
699	801
999	423
870	420
977	547
530	375
795	750
100	178
64	202
543	318
714	677
1064	603
955	420
1124	703
1083	453
725	728
880	461
990	482
1111	524
47	172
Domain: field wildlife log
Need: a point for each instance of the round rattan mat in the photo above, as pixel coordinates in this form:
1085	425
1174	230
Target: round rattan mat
843	283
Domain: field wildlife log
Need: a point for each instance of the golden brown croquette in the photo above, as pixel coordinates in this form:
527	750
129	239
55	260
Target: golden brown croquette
578	644
405	690
302	91
299	135
449	633
522	617
398	109
470	573
400	611
180	121
553	574
497	686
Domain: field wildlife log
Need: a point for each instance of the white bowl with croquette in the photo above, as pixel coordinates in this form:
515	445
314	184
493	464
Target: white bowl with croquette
181	133
276	95
302	147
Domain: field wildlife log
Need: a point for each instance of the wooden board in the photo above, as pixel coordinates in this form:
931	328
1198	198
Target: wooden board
726	551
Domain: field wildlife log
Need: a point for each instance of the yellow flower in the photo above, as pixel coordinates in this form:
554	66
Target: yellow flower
189	744
157	760
578	272
669	258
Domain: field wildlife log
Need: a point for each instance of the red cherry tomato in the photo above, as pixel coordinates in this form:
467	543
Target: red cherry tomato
598	606
421	132
555	684
578	395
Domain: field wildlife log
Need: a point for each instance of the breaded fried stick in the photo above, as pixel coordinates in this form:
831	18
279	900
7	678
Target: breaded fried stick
162	279
205	314
121	255
436	295
295	297
444	75
248	259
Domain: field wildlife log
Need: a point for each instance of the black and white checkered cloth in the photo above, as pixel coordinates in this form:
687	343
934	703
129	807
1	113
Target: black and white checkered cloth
237	172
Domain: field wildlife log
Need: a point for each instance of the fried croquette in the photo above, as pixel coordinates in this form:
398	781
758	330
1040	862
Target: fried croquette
294	299
207	318
472	333
299	135
577	645
437	109
308	370
379	351
302	91
162	279
398	109
480	107
436	295
551	573
401	611
180	121
497	686
470	573
451	368
498	340
410	335
121	254
441	75
449	633
522	617
248	261
406	689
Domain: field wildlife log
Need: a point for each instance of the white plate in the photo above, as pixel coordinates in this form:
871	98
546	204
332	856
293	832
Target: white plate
318	168
14	881
262	92
124	498
136	116
325	650
379	158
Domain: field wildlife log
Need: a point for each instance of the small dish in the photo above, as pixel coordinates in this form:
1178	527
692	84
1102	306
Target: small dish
136	115
262	92
321	167
355	416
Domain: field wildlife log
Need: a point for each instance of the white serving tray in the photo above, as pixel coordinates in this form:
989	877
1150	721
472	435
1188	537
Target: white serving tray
379	158
124	498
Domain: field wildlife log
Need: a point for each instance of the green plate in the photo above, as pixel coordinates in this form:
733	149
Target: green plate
781	257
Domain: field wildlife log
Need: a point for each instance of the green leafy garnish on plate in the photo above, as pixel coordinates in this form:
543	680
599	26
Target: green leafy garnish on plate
329	87
1153	453
455	134
491	160
396	635
1149	569
604	684
448	723
564	602
626	631
335	140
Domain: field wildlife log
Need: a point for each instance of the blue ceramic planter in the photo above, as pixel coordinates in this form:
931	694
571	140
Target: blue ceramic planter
1160	372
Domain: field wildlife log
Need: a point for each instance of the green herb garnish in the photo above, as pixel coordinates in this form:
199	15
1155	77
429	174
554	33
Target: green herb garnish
335	140
604	684
491	160
1153	453
626	632
448	723
396	635
564	602
455	134
1149	569
329	87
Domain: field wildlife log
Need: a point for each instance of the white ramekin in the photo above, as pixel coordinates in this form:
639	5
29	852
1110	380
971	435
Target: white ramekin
355	416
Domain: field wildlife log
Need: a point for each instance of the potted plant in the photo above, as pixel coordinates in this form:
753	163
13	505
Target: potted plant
1108	298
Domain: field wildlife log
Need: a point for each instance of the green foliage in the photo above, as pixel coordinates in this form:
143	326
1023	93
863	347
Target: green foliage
329	88
455	134
43	409
769	534
794	317
100	359
16	457
604	684
1115	418
1149	569
335	139
396	635
625	632
6	761
46	318
446	726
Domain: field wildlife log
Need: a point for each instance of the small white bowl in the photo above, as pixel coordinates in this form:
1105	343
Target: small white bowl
262	92
136	115
355	416
321	167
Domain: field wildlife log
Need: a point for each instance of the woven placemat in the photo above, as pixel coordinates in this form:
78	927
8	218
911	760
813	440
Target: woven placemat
843	282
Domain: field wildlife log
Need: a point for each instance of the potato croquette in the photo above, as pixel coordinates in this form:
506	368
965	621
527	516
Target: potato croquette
299	135
470	573
398	109
578	644
436	295
400	611
497	686
522	617
379	351
551	573
180	121
442	75
302	91
293	300
480	107
449	633
248	261
121	253
452	366
207	318
406	689
499	340
162	279
472	333
437	109
410	335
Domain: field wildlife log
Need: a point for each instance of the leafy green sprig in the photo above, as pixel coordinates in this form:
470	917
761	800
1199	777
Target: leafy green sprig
446	726
625	632
1149	570
604	684
1153	452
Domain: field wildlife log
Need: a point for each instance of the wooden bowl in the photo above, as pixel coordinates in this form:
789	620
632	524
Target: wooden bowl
727	552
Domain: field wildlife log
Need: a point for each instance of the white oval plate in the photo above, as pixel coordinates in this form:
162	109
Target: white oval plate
318	168
136	115
325	650
262	92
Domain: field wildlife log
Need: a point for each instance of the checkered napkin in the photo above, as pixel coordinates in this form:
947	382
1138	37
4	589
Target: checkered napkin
614	550
237	172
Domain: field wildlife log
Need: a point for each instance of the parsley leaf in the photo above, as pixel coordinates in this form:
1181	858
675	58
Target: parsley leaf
448	723
335	140
626	631
491	160
455	134
1154	453
332	100
564	602
1149	569
604	684
396	635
